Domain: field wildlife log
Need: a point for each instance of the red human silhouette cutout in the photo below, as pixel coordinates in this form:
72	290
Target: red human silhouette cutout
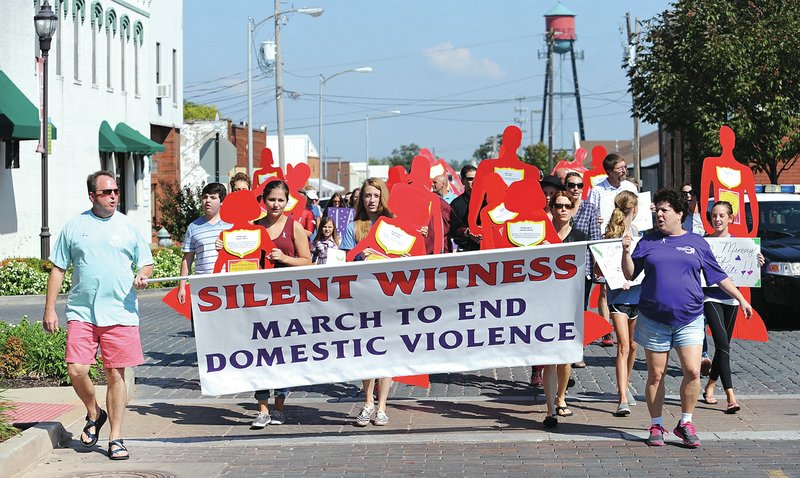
575	165
732	181
244	242
507	165
420	179
296	177
399	235
495	214
266	169
439	166
596	174
530	226
397	175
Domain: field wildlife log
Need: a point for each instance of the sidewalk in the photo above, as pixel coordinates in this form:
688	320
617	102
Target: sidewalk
168	434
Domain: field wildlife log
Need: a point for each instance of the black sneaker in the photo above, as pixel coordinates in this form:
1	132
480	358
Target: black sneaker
688	434
656	437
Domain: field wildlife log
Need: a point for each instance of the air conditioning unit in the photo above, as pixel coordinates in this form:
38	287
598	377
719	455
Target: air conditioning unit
163	91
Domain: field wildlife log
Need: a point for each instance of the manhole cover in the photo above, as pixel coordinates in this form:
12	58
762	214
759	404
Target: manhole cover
124	474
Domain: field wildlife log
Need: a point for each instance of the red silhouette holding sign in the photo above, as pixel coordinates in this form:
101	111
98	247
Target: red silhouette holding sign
244	243
439	166
495	214
530	226
596	174
507	165
296	177
267	169
420	180
397	236
732	181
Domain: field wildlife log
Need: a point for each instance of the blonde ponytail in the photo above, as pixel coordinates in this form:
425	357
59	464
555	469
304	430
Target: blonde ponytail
624	203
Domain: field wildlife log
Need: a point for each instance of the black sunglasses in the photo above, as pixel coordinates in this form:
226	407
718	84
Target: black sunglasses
562	206
107	192
575	185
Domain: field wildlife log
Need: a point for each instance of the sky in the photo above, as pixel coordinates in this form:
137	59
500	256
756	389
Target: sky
453	69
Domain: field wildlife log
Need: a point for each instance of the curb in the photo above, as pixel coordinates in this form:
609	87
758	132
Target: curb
25	449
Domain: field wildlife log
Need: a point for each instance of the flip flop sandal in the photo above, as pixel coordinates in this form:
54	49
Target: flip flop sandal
97	425
709	399
732	408
563	411
115	447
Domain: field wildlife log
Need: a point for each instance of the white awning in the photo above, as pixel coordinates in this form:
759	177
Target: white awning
328	188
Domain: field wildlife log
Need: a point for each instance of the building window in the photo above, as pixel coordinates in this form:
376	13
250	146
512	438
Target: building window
138	39
111	30
96	23
124	36
60	10
78	17
175	77
121	171
158	63
9	149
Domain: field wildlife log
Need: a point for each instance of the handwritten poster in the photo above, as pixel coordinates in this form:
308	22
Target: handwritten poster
738	257
608	256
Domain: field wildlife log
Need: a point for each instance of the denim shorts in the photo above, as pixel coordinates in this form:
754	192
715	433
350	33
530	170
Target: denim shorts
658	337
264	394
631	310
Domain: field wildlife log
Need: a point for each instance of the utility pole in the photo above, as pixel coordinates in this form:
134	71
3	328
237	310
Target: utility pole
633	40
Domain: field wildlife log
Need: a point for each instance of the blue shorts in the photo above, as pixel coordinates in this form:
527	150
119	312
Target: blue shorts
658	337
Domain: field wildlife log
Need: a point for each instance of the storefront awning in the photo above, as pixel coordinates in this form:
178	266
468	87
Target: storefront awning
136	142
109	141
19	118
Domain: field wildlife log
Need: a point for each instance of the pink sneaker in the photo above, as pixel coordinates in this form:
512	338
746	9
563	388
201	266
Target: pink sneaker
688	434
656	437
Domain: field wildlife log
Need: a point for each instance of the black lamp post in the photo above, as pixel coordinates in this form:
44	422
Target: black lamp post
46	23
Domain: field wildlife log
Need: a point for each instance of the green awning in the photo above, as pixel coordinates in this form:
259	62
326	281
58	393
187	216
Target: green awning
136	142
109	141
19	118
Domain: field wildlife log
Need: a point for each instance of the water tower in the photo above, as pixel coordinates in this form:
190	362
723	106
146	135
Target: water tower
560	39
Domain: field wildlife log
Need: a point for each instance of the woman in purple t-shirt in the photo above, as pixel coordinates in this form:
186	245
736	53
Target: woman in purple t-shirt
671	307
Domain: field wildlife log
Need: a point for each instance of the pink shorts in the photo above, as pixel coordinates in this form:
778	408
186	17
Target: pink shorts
120	345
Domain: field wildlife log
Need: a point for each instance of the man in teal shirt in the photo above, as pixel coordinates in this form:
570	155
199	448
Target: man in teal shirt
105	247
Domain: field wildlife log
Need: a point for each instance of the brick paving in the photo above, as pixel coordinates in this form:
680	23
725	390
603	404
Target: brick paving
480	423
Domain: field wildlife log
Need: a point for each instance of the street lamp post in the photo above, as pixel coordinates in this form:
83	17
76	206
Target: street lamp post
46	23
323	165
366	131
251	30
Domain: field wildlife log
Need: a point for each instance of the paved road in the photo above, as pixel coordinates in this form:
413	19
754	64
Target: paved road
481	423
170	371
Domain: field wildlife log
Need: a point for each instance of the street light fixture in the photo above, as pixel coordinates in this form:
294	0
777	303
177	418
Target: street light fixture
251	30
46	23
323	165
366	123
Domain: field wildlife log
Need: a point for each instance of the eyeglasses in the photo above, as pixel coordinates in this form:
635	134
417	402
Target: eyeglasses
575	185
107	192
470	179
561	205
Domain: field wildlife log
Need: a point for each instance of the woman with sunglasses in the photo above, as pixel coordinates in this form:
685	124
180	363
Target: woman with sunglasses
335	201
720	311
584	220
562	207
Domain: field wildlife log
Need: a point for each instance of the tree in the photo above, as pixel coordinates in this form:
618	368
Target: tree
194	111
712	62
489	148
179	207
403	156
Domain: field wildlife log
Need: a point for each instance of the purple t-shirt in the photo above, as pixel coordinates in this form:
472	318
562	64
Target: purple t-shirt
671	292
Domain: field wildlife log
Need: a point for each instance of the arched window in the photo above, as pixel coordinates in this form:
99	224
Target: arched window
78	17
124	36
97	24
60	6
111	31
138	40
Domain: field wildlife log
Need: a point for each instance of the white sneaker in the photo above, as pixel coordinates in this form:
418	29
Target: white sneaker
364	416
262	420
381	419
277	418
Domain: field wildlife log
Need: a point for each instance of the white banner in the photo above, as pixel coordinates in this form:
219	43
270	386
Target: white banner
738	257
436	314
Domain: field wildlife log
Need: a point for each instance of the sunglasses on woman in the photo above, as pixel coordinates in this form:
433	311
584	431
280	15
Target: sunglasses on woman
561	205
